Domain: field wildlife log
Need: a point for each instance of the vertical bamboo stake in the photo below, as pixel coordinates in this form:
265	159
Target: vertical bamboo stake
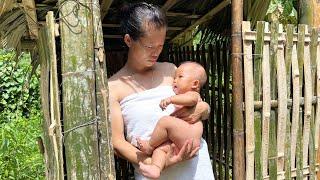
307	102
299	159
237	91
227	110
257	94
282	104
317	120
272	135
288	61
106	153
295	105
313	59
219	109
266	106
79	92
249	106
213	104
45	103
192	58
188	53
55	128
210	80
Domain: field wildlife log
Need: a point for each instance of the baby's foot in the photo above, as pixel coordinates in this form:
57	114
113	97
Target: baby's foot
144	146
149	170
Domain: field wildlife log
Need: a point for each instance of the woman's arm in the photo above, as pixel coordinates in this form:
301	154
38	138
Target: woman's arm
121	147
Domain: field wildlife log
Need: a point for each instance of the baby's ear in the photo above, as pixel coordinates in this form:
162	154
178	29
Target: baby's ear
196	84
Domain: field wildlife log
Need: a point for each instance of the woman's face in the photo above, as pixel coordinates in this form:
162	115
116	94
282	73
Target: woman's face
146	50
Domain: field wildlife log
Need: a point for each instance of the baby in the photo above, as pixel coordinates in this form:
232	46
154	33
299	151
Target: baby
188	80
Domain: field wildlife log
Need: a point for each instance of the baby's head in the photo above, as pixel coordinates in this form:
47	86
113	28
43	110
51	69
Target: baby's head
190	76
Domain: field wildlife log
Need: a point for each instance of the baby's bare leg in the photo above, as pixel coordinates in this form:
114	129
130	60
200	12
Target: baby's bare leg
158	162
176	130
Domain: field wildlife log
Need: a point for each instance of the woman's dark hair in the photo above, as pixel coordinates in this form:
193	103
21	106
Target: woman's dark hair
133	16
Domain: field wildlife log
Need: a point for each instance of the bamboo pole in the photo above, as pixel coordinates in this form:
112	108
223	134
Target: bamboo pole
317	121
213	60
272	136
295	104
219	109
282	108
308	101
257	94
288	60
249	105
227	110
266	107
55	129
237	90
313	59
299	159
50	169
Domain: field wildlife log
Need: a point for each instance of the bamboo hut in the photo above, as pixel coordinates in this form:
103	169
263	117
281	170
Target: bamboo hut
78	46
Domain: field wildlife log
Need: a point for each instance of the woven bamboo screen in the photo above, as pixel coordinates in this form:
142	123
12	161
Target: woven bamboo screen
282	112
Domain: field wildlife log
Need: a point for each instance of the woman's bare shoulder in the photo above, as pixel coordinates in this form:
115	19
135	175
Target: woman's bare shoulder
167	67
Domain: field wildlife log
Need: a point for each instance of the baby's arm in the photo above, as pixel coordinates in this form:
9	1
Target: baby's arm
190	98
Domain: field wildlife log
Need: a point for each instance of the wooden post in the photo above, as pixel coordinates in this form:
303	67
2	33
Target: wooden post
106	154
237	91
81	121
49	158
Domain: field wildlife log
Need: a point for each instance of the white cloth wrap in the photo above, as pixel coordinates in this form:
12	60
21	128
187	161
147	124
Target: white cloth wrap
141	113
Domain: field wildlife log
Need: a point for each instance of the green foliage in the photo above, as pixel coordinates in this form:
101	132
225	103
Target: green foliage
283	11
19	154
20	119
18	92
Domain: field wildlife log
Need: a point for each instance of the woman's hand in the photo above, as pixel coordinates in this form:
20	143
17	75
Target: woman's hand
175	155
193	114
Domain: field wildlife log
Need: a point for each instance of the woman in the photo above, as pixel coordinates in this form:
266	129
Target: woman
136	91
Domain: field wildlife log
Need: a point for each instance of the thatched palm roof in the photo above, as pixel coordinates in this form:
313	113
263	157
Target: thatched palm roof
19	19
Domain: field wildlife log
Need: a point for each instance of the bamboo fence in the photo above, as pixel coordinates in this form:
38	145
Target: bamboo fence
281	83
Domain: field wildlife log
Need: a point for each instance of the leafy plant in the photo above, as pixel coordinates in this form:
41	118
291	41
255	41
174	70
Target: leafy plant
19	154
18	91
20	119
283	11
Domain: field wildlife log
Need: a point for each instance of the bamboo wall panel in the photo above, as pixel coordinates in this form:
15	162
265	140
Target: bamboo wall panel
286	142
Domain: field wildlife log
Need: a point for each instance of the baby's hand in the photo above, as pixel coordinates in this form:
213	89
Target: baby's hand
164	103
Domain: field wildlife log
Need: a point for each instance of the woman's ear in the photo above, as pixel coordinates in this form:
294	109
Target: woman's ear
127	39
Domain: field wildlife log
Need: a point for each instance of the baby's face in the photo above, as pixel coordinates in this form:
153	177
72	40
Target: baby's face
183	80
